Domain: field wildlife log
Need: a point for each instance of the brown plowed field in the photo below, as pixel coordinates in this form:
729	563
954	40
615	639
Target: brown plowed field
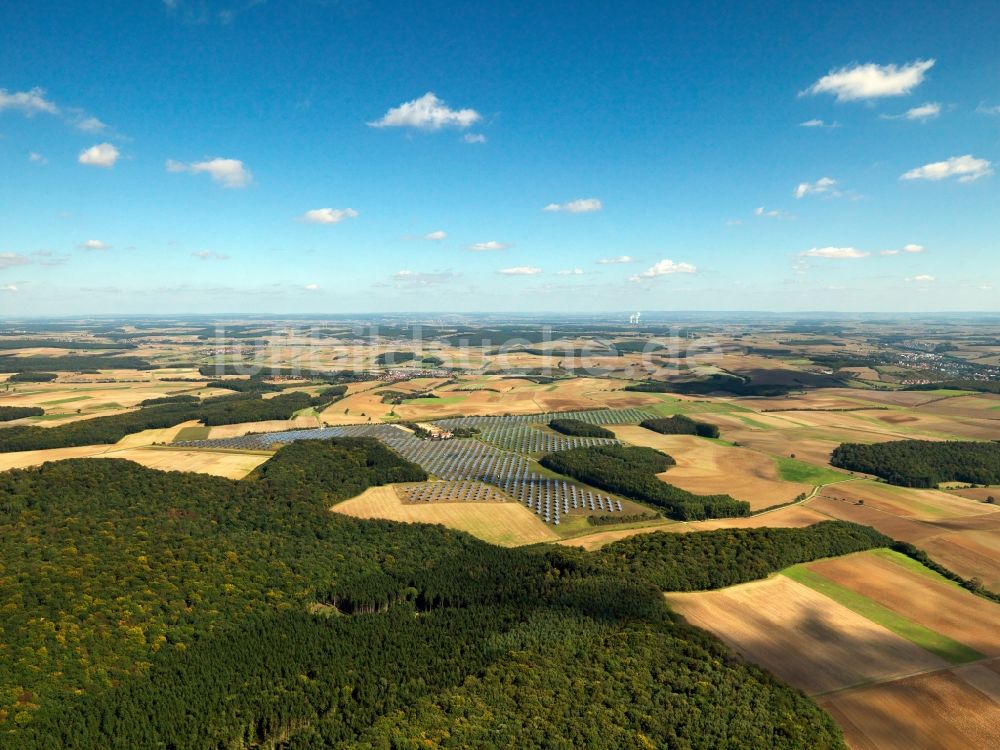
802	636
956	709
939	605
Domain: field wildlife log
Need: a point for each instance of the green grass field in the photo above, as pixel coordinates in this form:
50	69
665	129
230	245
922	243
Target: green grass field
793	470
66	400
444	400
194	432
930	640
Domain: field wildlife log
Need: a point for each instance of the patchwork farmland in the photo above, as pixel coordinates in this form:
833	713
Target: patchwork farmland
499	456
895	651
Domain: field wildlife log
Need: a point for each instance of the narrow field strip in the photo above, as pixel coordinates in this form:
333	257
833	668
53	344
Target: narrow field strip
897	558
929	640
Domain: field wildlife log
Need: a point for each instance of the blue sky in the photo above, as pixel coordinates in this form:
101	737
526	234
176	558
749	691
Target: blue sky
203	156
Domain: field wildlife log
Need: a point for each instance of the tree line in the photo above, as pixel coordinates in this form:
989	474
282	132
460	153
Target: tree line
718	383
32	376
73	363
631	472
923	463
579	428
240	407
680	425
10	413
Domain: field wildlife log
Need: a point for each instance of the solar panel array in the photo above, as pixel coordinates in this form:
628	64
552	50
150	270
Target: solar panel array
452	492
520	432
489	469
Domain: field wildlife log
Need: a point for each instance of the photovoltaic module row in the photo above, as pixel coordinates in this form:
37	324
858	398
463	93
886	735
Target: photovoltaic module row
461	466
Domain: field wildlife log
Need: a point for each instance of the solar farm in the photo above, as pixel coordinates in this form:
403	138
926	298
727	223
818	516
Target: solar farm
494	466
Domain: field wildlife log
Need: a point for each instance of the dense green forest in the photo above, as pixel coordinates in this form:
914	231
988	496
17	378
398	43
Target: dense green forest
59	344
579	428
179	399
10	413
153	609
714	559
680	425
632	472
712	384
337	468
394	358
636	346
73	363
923	463
102	430
250	369
32	377
243	385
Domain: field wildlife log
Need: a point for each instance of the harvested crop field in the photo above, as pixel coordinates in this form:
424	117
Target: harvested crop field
802	636
918	594
792	516
232	465
955	708
960	534
274	425
908	502
971	554
506	524
148	437
706	467
24	459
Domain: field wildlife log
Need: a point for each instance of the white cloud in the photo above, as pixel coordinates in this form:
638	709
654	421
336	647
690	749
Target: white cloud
102	155
987	109
89	125
312	287
480	247
911	249
210	255
520	271
9	260
571	272
10	288
614	261
837	253
966	168
328	215
426	113
422	278
28	102
821	186
578	206
923	278
926	111
36	158
871	81
230	173
474	138
95	245
773	213
664	268
817	123
436	236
